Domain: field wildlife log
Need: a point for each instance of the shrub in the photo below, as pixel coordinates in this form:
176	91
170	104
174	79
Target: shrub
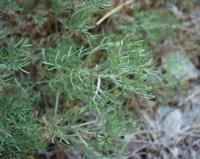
69	85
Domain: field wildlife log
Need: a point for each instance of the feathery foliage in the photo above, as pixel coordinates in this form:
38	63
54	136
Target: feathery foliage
75	85
19	131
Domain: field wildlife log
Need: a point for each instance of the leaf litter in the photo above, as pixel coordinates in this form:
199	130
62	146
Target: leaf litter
173	129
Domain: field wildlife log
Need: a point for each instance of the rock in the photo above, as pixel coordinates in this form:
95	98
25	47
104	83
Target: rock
172	123
177	65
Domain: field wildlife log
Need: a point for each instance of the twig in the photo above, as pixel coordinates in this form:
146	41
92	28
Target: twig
139	149
189	134
189	98
147	132
193	126
113	11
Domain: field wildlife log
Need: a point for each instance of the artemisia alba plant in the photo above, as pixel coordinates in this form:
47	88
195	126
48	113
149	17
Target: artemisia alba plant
71	87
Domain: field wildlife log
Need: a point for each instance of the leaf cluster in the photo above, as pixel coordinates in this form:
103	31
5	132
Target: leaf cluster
18	129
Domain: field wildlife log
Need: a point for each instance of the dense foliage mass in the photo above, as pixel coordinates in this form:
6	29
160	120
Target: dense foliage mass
68	71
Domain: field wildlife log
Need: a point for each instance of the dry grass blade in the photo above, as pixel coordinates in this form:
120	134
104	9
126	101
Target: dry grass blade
116	9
